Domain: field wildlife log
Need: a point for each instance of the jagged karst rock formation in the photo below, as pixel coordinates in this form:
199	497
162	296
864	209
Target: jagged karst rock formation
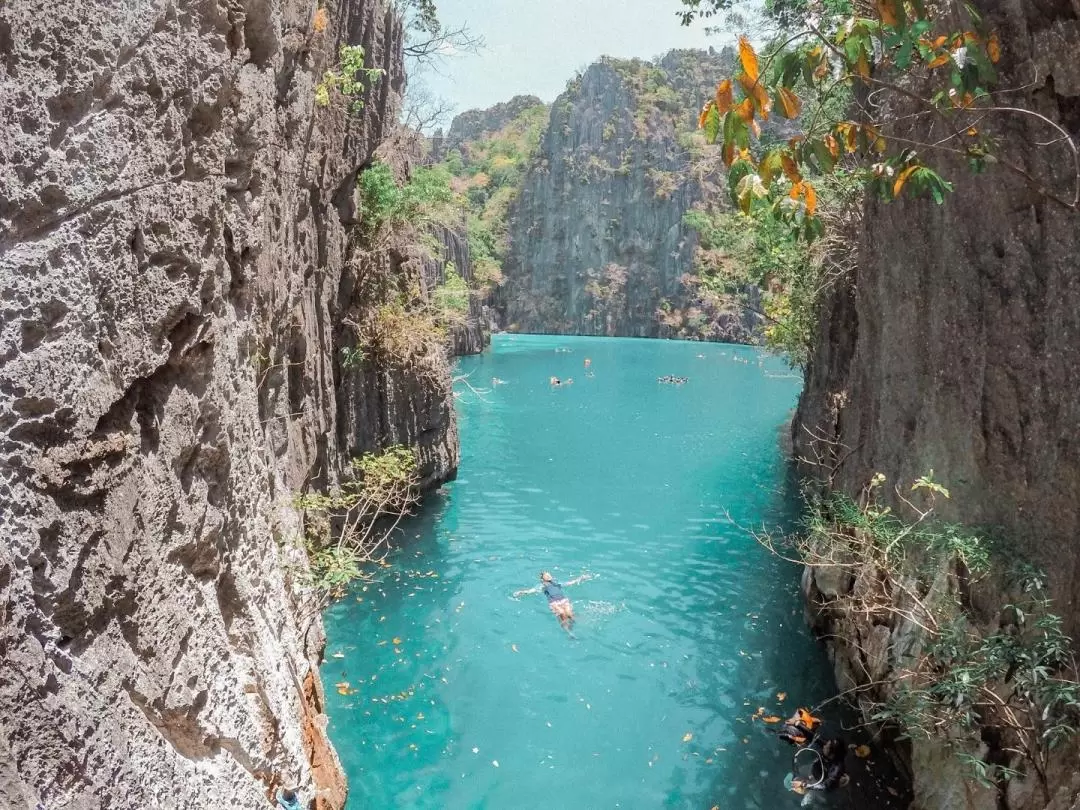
956	349
597	242
178	275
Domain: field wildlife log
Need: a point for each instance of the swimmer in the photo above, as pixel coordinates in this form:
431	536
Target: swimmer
557	600
588	362
555	382
568	381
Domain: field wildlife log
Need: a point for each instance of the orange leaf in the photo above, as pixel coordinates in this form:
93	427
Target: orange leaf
321	19
832	145
724	98
937	43
791	169
993	47
887	10
704	115
755	91
902	178
772	718
811	199
745	110
938	61
790	104
748	58
728	153
755	128
862	751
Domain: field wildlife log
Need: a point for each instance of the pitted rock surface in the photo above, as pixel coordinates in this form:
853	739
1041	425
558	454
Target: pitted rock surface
175	244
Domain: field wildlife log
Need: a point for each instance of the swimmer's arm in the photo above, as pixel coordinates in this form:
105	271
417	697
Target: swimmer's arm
582	578
534	589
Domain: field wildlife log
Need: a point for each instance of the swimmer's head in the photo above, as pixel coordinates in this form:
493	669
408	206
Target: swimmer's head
545	576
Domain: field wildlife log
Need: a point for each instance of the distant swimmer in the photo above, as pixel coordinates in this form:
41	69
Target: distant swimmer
497	381
555	382
588	362
557	600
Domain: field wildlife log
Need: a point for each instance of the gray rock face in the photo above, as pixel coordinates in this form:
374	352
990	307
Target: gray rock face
453	247
958	347
176	260
597	240
473	124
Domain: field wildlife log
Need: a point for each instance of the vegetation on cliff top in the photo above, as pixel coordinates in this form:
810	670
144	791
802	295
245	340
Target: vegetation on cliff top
488	172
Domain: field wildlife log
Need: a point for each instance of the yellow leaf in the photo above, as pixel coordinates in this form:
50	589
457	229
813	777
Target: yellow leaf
687	737
321	19
748	58
862	751
887	10
397	639
724	98
772	718
993	47
898	185
850	134
790	104
781	696
862	67
972	132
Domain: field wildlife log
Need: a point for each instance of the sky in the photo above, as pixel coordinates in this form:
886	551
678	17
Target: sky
536	46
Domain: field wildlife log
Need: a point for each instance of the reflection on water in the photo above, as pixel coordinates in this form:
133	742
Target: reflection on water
461	696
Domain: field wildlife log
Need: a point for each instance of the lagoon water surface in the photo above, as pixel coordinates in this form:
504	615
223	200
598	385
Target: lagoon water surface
460	696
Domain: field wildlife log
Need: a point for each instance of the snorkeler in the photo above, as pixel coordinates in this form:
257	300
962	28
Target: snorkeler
557	600
829	770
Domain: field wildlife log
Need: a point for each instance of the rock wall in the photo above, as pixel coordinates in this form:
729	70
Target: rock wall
453	247
597	243
176	263
957	348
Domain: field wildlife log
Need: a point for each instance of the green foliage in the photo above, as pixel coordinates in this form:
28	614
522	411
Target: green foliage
426	198
348	527
489	171
350	78
353	357
451	297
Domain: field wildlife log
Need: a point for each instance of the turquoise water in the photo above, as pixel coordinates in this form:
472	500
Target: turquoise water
468	698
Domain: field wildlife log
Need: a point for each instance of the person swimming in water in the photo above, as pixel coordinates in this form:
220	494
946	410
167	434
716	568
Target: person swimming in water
557	600
828	772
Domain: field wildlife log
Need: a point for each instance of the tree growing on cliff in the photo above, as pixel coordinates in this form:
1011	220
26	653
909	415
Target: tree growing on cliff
349	526
349	78
898	62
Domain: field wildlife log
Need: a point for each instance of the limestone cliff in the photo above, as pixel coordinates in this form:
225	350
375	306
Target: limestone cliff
597	241
956	348
178	273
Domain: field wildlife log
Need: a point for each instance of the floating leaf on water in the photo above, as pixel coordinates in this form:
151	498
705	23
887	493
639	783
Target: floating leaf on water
862	751
772	718
338	655
781	696
397	639
475	750
514	647
495	762
687	737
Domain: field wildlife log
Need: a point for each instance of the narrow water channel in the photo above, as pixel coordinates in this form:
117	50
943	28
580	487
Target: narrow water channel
461	696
